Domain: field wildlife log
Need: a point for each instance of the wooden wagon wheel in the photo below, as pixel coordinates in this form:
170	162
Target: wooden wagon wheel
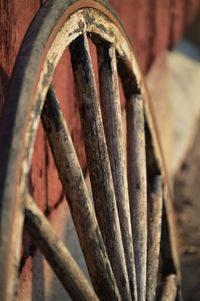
128	240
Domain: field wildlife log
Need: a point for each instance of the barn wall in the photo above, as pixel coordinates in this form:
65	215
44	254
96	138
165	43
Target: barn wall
152	25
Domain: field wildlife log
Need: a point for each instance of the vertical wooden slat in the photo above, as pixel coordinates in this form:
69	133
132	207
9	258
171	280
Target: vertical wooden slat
98	161
57	254
136	162
112	119
155	204
169	291
78	199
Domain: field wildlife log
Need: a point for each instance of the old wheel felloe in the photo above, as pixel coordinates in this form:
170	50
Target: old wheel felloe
127	238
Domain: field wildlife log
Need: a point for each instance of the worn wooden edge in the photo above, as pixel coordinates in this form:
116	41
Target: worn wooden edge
137	184
80	205
57	254
155	206
98	161
169	291
112	120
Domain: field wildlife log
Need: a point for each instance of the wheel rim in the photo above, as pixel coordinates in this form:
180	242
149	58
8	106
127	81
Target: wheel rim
30	90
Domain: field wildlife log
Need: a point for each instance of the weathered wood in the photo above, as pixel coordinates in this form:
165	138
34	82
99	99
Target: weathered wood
49	35
155	204
169	291
78	199
112	119
98	161
57	254
137	186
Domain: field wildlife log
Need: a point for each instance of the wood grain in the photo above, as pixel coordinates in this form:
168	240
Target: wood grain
169	288
155	204
57	254
112	119
78	199
98	161
137	186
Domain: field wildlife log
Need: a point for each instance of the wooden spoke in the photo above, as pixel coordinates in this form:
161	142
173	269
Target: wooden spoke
79	202
169	292
57	254
98	161
137	186
10	284
155	205
112	119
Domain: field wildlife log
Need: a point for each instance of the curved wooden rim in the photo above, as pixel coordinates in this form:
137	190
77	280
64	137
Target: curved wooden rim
69	10
9	122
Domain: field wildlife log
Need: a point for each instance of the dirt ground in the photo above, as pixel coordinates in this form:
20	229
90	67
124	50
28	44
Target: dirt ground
187	205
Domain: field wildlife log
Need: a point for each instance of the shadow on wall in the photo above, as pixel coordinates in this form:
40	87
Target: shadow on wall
38	284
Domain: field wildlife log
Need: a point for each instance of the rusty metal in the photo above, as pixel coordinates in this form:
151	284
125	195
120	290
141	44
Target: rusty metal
61	24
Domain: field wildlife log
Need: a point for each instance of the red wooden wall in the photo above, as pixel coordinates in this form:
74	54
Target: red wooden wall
152	25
